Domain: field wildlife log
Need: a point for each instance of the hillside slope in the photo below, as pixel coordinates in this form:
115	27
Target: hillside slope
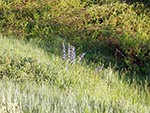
33	81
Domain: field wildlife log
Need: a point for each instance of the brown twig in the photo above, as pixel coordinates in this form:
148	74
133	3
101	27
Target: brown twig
118	51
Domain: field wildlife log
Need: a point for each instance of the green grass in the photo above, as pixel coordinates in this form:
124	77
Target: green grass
33	81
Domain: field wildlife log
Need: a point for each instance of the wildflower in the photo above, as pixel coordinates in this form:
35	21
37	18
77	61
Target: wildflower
82	56
69	52
73	54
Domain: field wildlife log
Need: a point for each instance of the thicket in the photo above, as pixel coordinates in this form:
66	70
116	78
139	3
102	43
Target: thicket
121	27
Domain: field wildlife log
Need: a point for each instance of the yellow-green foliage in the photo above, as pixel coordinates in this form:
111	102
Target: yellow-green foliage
114	23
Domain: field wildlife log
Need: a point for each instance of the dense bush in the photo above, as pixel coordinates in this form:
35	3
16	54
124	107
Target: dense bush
22	68
121	26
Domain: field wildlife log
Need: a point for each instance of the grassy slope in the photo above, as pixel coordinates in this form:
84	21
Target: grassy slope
108	24
33	81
